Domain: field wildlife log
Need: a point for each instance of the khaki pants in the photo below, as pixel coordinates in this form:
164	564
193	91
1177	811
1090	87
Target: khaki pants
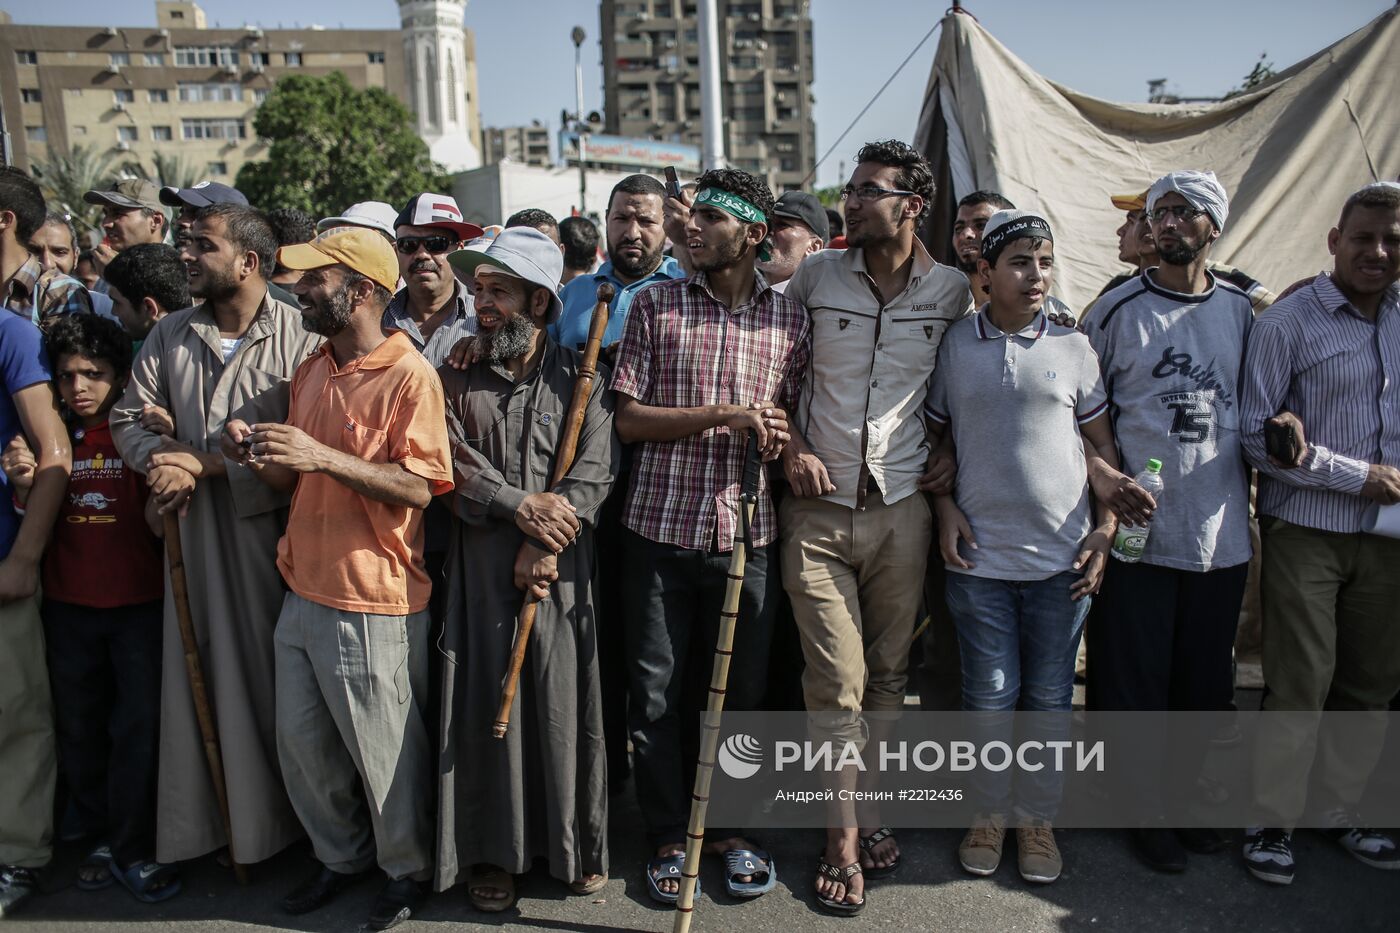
1331	640
351	738
855	580
28	762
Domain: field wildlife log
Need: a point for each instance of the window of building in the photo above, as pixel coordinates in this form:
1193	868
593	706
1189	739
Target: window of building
155	59
158	95
36	134
195	92
162	134
31	95
27	57
119	58
124	95
293	59
212	128
260	58
177	14
376	58
218	168
193	56
128	134
259	95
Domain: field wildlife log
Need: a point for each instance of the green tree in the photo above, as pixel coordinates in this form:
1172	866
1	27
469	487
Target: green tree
830	196
332	145
69	174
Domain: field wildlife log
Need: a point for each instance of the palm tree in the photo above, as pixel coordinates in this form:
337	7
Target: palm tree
67	175
168	170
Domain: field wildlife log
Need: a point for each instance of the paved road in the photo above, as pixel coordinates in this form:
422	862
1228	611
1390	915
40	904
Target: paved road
1104	888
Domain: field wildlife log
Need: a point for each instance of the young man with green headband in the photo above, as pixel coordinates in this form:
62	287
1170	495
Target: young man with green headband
702	361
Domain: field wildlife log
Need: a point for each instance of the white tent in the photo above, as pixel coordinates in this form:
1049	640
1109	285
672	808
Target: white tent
1288	152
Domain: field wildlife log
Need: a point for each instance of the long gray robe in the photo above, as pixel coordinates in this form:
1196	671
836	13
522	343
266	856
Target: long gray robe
230	549
542	791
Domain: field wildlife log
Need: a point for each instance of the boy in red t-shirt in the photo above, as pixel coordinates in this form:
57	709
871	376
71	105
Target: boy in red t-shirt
103	586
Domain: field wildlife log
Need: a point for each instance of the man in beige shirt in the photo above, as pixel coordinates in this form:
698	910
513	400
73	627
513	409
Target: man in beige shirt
855	533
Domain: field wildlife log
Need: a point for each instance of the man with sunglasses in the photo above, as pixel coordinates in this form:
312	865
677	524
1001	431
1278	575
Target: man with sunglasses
855	532
433	309
1170	344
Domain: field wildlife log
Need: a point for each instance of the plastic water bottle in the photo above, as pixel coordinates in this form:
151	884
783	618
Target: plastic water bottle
1131	541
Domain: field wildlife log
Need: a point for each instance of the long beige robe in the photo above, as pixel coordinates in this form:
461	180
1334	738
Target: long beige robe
230	549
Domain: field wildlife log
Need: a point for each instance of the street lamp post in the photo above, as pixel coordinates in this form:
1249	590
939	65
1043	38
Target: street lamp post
580	127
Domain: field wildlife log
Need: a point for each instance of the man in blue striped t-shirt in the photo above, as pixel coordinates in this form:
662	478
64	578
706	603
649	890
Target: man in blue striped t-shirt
1330	353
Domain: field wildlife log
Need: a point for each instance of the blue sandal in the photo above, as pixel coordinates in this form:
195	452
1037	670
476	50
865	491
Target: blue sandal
99	864
662	868
142	877
755	863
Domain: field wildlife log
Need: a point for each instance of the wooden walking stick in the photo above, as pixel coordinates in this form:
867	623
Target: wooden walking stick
719	682
568	444
179	590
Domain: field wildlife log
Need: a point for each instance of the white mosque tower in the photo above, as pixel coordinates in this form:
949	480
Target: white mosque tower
434	53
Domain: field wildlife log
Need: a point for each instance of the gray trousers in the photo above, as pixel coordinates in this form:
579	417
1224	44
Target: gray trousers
351	739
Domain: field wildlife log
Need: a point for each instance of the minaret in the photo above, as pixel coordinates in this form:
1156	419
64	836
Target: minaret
434	54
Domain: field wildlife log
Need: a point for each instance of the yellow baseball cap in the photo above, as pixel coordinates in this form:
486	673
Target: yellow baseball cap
364	250
1130	202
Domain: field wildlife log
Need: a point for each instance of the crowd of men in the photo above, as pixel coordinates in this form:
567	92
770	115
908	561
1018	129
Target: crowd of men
356	423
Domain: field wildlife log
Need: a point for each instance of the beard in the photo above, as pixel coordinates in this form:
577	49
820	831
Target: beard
1182	254
726	254
214	284
514	338
965	267
329	316
642	266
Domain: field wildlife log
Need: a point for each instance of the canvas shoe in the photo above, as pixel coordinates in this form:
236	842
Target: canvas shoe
1268	854
1369	846
1037	856
17	885
980	851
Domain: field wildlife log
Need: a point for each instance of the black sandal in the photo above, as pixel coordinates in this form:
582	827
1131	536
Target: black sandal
868	844
843	907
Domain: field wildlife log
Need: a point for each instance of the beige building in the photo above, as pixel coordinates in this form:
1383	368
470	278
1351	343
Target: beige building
191	92
525	144
651	76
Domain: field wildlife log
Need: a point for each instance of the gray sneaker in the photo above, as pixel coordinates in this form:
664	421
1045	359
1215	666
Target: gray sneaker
16	886
1037	856
1369	846
980	851
1268	854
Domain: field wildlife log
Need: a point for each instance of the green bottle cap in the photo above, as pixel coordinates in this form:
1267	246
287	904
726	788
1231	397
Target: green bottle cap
1154	466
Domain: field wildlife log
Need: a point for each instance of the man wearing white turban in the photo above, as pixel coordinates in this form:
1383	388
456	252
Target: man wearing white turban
1170	343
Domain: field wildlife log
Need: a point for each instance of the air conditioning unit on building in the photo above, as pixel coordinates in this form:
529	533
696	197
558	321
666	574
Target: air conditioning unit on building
123	145
119	106
232	142
743	43
755	17
163	33
642	16
257	68
254	31
110	31
669	44
114	69
230	69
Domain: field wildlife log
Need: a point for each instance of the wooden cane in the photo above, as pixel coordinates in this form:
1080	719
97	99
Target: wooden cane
568	445
175	554
719	683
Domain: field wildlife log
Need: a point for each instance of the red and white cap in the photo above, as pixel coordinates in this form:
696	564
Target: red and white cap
436	210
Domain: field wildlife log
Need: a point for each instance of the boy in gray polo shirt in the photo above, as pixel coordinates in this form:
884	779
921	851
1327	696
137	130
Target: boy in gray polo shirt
1024	553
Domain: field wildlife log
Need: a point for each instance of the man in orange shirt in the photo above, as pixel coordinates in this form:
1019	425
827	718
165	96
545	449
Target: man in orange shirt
365	447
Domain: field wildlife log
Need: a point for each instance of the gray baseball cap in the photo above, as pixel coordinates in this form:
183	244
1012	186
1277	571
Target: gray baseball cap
805	209
522	252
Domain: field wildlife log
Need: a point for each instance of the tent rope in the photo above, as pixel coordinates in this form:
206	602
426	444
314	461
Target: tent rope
871	102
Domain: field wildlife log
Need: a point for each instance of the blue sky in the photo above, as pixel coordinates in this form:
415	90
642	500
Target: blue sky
1108	48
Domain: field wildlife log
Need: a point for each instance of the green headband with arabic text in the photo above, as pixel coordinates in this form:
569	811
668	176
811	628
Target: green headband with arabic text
732	204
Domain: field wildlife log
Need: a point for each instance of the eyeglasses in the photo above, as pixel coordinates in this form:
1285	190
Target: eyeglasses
1179	211
872	193
437	245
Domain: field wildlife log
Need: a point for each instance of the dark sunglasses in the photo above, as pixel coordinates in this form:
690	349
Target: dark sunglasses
408	245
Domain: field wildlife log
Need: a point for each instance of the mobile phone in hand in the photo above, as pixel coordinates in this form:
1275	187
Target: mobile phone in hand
1281	442
673	184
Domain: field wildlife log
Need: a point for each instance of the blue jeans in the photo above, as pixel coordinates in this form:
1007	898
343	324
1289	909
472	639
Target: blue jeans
1018	641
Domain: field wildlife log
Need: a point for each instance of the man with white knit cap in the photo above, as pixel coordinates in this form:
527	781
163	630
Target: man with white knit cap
1170	344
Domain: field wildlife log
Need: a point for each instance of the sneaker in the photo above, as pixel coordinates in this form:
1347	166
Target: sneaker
1037	856
980	852
1159	848
1370	846
1268	854
16	886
